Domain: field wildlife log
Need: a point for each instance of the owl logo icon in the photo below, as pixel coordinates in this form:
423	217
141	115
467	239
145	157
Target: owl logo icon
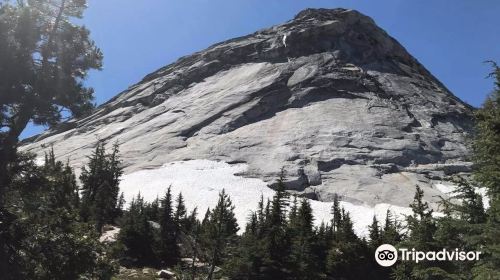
386	255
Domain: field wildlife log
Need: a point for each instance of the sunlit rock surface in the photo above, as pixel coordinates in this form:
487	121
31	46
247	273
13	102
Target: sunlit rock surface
329	96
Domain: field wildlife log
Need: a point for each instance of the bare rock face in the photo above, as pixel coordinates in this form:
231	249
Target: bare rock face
329	96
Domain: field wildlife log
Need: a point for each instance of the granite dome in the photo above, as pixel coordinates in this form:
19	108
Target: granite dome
328	95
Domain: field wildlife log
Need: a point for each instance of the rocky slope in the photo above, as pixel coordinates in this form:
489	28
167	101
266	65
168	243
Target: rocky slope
329	96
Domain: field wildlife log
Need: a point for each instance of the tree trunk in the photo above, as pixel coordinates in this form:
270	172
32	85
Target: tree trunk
212	265
195	255
214	259
8	147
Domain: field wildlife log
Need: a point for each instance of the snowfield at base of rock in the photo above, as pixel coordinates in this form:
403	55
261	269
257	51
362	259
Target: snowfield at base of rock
201	181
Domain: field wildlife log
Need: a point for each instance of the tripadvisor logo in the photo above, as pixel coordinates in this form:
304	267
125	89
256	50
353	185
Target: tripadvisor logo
387	255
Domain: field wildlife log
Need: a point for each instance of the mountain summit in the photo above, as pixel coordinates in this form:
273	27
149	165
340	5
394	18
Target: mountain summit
329	96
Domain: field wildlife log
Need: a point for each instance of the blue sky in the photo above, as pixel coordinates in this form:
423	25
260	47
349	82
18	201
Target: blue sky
451	38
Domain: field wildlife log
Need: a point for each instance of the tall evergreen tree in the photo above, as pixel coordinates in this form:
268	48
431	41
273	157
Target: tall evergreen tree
422	228
347	255
168	251
461	227
391	231
220	231
374	233
304	262
100	186
421	223
246	262
180	212
336	213
61	182
486	148
276	237
120	204
136	235
44	58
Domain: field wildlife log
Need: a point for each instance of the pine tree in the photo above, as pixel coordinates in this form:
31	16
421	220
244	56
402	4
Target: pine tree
336	213
191	221
44	58
168	249
470	206
304	263
136	235
246	262
421	223
220	231
100	186
152	210
374	233
486	151
292	215
391	232
180	212
276	239
61	183
322	245
120	204
347	255
422	229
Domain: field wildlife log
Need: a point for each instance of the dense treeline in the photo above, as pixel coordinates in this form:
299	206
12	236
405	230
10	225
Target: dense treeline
281	242
54	225
45	232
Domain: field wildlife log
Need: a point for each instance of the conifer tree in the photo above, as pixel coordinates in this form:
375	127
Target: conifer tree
246	262
168	250
276	237
422	228
191	221
391	232
486	151
180	212
470	208
455	230
374	233
152	210
346	257
100	186
292	215
421	223
322	245
136	235
44	58
336	213
220	231
61	183
120	204
303	260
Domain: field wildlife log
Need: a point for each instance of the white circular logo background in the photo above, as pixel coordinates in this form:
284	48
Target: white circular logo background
386	255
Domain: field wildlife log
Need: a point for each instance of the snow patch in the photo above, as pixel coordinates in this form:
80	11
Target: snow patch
448	189
40	161
484	194
200	182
